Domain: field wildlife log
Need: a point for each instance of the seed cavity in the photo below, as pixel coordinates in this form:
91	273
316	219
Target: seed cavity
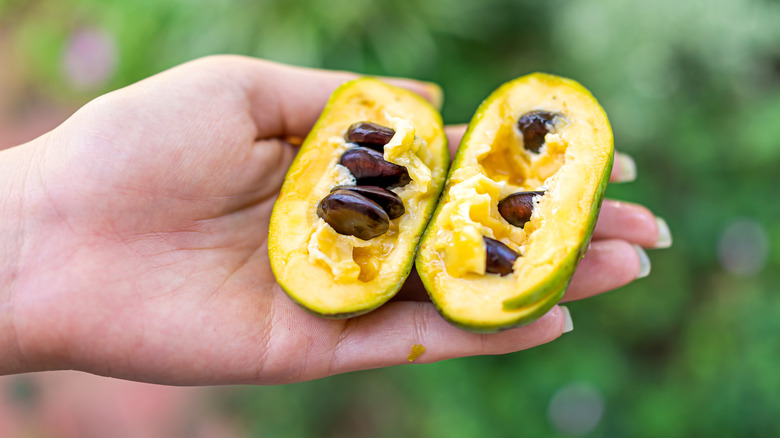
517	208
365	210
353	214
370	135
499	257
535	125
370	168
389	201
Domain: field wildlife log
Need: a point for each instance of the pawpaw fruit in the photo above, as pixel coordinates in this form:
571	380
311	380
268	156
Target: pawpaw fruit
519	206
356	199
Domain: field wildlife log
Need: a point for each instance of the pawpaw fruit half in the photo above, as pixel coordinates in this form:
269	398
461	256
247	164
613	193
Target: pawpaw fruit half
356	199
519	205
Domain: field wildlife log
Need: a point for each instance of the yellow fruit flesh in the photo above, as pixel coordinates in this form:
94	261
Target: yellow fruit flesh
492	164
352	259
334	274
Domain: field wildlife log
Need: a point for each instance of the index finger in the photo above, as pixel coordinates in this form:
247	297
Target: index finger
286	100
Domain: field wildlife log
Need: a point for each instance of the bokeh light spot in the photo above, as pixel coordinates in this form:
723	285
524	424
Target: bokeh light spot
743	248
90	58
576	409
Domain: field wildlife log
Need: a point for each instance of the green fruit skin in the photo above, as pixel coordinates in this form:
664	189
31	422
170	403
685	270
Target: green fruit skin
277	222
544	306
570	265
550	293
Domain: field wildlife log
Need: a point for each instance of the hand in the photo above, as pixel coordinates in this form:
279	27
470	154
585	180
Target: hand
138	241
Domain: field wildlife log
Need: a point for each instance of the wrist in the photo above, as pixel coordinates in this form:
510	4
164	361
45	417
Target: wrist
15	165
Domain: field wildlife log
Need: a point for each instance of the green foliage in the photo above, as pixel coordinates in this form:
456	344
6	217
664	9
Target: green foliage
693	93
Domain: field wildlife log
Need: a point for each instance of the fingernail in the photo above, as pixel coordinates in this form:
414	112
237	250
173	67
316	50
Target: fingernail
644	262
664	235
568	324
626	168
435	95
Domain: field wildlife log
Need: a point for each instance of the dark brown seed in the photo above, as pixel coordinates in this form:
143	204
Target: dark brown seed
500	257
370	169
353	214
370	135
518	207
389	201
534	126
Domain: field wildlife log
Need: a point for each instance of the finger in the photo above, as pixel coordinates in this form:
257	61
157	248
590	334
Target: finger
618	220
294	95
623	168
454	136
608	265
385	338
632	223
412	290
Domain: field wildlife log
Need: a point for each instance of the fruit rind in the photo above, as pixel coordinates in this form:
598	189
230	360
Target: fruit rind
508	306
309	284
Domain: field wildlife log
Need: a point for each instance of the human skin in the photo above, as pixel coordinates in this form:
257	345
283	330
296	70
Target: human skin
133	241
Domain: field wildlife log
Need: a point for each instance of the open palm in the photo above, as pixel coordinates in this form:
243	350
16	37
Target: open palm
148	261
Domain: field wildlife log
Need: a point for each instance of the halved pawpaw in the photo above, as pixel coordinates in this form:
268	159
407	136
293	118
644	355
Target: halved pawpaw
357	198
519	206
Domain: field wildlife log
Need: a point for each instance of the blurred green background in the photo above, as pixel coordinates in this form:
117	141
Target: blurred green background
692	89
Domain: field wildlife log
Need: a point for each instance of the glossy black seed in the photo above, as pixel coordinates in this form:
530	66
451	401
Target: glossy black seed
353	214
500	257
518	207
389	201
535	125
370	169
370	135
